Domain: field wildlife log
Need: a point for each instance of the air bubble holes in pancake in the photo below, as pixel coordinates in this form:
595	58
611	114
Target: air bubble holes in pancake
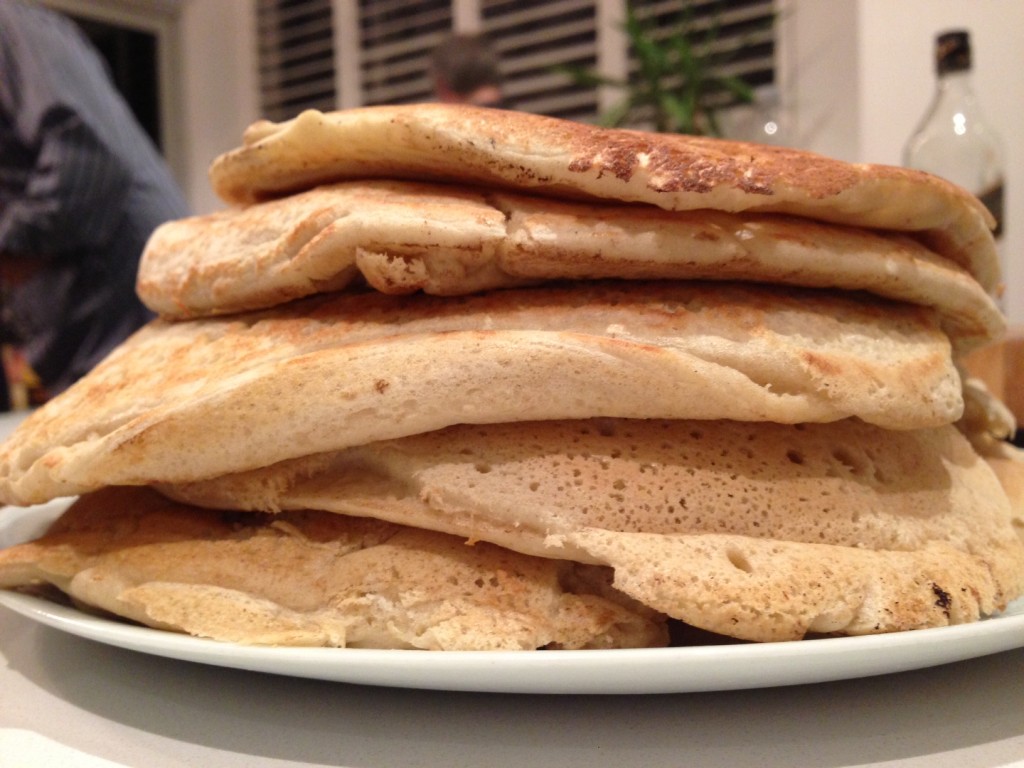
862	465
739	560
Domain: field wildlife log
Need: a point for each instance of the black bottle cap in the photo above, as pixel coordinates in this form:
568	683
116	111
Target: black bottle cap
953	52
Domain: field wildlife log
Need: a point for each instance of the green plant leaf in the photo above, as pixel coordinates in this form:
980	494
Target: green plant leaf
738	87
588	78
714	128
617	115
679	113
674	76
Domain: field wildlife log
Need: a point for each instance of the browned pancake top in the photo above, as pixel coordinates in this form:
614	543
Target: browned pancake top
567	159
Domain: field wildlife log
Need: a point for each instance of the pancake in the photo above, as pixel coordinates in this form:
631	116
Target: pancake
1007	461
845	483
401	237
769	590
861	519
318	579
415	235
458	378
513	150
186	401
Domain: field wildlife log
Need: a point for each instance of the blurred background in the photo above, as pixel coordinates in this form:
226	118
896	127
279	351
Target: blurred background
849	78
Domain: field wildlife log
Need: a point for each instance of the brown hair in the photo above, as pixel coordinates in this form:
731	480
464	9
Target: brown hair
464	63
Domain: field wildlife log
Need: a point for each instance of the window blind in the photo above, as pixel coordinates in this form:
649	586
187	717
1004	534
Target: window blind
296	56
390	50
532	39
396	38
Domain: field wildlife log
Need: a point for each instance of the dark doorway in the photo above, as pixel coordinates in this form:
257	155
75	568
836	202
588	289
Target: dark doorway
131	57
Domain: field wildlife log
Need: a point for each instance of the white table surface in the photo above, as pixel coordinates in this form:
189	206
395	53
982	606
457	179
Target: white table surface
70	702
74	703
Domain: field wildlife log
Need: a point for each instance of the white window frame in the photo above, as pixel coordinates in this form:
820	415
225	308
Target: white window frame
160	18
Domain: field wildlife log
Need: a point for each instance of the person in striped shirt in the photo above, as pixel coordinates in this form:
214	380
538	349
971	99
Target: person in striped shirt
81	188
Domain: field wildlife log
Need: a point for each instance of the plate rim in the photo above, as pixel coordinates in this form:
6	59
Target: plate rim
685	669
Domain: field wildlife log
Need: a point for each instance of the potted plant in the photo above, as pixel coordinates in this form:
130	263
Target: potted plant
677	86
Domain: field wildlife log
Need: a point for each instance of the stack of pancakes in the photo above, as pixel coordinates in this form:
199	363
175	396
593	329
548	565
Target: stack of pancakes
454	378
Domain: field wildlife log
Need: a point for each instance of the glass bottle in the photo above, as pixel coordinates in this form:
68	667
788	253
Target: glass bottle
954	140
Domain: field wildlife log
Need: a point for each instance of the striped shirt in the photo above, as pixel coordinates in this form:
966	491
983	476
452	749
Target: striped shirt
81	189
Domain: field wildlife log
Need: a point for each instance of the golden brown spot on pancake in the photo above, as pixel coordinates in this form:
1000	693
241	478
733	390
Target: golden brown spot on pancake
820	363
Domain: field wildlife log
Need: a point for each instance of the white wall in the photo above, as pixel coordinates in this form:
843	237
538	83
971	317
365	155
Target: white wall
219	87
816	70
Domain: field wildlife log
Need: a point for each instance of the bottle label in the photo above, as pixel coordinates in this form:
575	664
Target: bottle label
992	199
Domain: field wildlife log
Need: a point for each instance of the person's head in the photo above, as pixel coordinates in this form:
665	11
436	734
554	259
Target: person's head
466	70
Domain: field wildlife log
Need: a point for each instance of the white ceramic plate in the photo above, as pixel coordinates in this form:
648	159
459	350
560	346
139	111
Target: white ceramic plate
660	670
